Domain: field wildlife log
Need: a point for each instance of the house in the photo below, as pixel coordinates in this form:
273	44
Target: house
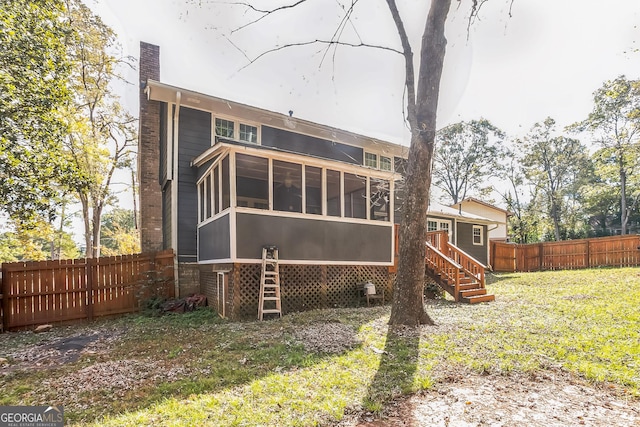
220	180
468	231
499	231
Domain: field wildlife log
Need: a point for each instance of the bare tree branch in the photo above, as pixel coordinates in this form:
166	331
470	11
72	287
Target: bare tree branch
317	41
408	59
265	12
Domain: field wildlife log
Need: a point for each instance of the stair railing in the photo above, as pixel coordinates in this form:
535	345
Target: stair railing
446	267
469	264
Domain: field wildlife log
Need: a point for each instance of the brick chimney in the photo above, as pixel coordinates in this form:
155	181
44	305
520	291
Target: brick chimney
149	154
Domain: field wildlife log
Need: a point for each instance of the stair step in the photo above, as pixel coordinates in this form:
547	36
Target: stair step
469	286
271	298
473	292
480	298
270	311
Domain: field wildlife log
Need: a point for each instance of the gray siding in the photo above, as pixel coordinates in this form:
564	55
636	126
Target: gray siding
311	146
214	240
312	240
465	242
194	138
166	217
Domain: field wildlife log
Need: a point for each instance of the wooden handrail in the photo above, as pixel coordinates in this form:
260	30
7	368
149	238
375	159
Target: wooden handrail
468	263
445	266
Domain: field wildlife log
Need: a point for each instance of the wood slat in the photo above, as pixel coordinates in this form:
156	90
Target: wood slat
62	290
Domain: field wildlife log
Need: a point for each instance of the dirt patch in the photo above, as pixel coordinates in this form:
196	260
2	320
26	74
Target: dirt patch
113	377
54	350
327	337
547	399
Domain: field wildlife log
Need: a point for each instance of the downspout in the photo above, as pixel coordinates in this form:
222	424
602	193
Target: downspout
174	194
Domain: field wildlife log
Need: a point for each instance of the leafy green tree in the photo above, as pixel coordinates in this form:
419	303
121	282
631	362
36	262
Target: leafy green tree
34	72
614	124
119	233
37	243
465	156
102	132
524	220
557	166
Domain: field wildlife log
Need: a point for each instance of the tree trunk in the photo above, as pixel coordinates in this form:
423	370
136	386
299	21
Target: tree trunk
555	216
624	214
408	307
87	225
97	214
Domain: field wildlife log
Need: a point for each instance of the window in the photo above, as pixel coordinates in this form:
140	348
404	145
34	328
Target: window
379	199
333	193
355	196
248	133
371	160
313	190
287	184
477	235
208	196
224	128
252	181
226	198
215	190
385	163
434	224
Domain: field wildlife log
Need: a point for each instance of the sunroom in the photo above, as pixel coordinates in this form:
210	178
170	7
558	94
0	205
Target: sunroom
316	211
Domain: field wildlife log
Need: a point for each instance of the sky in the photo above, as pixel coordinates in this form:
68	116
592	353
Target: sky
546	59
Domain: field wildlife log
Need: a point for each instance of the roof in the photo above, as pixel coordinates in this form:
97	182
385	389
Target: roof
163	92
438	209
483	203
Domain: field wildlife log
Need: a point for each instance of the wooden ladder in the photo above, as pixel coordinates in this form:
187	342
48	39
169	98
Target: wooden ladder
269	283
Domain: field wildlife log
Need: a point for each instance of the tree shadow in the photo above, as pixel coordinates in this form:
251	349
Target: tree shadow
396	374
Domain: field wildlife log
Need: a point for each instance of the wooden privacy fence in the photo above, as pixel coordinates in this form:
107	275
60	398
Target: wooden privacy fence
55	291
615	251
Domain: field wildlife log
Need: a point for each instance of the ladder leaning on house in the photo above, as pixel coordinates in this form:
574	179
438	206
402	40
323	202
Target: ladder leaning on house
269	302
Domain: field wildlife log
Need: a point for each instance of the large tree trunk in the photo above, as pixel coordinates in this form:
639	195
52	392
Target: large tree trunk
624	213
84	200
408	307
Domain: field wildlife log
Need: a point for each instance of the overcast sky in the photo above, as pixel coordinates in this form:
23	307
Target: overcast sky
544	60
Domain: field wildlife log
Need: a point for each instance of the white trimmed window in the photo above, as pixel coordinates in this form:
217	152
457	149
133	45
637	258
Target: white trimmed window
371	160
385	163
224	128
477	235
248	133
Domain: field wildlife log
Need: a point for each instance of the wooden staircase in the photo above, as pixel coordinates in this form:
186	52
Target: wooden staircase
454	270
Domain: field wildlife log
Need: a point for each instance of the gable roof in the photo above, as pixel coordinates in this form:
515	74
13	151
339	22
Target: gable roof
163	92
483	203
447	211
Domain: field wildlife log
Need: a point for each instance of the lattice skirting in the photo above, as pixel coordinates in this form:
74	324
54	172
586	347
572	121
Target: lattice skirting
303	287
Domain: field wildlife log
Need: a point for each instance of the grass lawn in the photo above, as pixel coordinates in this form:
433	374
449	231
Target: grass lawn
313	368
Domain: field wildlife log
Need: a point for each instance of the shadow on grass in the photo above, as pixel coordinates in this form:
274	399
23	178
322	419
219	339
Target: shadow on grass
396	373
215	355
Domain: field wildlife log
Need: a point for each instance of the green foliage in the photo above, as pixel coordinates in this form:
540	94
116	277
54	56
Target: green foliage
119	234
614	125
40	241
34	73
102	133
466	155
557	166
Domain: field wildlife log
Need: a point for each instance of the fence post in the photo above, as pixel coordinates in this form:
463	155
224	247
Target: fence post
90	268
4	300
541	256
588	254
